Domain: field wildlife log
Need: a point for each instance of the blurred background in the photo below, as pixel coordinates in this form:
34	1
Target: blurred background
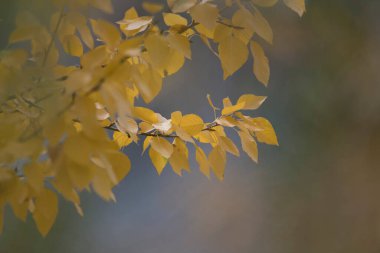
317	192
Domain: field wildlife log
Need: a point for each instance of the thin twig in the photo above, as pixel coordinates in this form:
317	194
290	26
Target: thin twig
231	26
61	15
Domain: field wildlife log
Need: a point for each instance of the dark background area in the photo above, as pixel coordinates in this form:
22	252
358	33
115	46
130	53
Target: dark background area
317	192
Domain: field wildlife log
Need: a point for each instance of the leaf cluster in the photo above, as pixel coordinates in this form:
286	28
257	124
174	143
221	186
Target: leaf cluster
64	126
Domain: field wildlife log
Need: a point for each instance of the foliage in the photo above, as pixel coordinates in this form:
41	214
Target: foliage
63	126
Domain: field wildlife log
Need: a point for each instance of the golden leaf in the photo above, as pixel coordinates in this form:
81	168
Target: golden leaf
240	20
180	43
217	159
231	109
260	63
158	50
228	145
145	114
181	5
296	5
203	162
46	211
121	139
266	134
72	45
192	124
233	54
162	146
103	5
152	8
249	145
251	102
206	14
259	24
172	19
179	160
106	31
158	160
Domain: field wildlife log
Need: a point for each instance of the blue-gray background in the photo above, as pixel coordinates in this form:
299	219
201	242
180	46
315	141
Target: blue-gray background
317	192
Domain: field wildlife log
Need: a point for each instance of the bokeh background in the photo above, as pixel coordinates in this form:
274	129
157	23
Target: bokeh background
317	192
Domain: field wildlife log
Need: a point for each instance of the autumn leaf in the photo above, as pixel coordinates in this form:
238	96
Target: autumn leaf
46	209
260	63
296	5
233	54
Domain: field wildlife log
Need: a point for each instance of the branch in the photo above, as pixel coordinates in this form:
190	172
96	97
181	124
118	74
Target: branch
155	133
61	15
231	26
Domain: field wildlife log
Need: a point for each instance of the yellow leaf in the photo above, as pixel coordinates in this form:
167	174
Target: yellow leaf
103	5
121	139
204	31
175	63
231	109
221	32
46	211
127	125
206	14
239	19
164	125
296	5
217	159
102	185
63	184
135	24
24	33
172	19
72	45
149	83
80	176
249	145
202	160
162	146
106	31
35	176
260	63
266	134
158	50
176	117
145	114
205	137
261	26
180	5
251	102
120	163
131	13
86	36
227	121
102	162
233	54
180	43
158	160
227	102
94	58
192	124
79	209
228	145
179	159
146	143
265	3
19	200
152	8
